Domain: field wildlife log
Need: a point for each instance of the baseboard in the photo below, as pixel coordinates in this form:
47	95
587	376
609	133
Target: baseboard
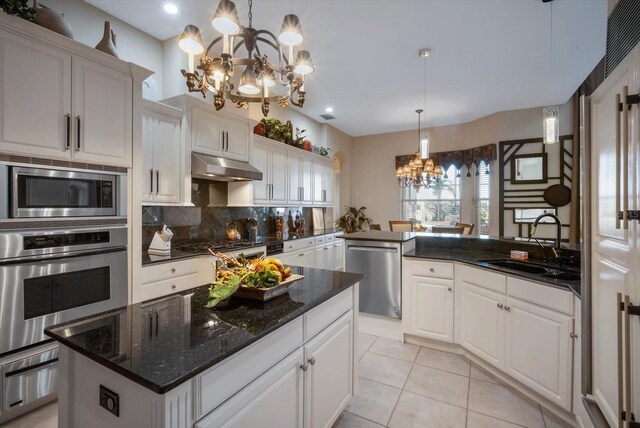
524	391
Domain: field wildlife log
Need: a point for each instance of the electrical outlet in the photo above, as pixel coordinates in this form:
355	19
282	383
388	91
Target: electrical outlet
110	401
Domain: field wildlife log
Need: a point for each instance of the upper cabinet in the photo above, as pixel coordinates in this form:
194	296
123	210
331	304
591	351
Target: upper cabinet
161	153
272	162
58	101
322	182
300	178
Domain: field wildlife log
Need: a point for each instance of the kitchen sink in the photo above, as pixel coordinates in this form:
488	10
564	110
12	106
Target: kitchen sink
517	265
565	276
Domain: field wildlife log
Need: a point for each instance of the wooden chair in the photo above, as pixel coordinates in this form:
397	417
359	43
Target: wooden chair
467	228
374	226
447	229
401	225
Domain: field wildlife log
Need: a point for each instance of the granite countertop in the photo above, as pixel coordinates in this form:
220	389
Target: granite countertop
475	258
378	235
186	337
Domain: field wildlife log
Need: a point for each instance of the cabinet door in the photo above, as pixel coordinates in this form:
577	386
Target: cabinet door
318	183
159	333
482	322
275	399
103	114
538	349
237	146
338	255
295	189
167	158
306	180
328	184
260	159
432	308
322	257
148	179
303	258
35	97
329	380
206	132
278	176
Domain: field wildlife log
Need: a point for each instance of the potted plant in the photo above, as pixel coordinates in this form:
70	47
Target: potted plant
353	220
276	130
19	8
299	138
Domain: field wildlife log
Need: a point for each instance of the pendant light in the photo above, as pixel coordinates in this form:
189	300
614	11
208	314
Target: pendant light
551	114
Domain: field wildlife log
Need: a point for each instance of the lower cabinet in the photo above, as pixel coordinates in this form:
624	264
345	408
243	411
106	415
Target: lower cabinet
323	257
432	308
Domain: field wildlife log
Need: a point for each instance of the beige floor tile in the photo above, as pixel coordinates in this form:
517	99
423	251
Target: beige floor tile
476	420
42	417
446	361
439	385
479	374
349	420
417	411
395	349
374	401
365	341
551	421
503	403
385	370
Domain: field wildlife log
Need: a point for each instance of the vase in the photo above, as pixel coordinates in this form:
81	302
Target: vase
52	20
108	42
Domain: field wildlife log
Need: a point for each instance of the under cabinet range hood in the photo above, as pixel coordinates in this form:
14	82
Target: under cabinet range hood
221	169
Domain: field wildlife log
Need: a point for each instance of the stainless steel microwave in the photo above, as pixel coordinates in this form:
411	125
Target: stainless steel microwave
34	192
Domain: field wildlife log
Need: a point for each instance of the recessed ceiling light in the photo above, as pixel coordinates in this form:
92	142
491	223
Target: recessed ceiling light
329	110
170	8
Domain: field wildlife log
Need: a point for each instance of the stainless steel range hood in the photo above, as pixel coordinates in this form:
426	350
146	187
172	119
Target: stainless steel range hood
220	169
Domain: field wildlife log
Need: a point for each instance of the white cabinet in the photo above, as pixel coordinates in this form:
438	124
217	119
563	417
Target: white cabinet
300	178
323	257
432	308
83	110
329	373
161	279
161	153
338	254
303	258
272	162
218	135
322	183
538	349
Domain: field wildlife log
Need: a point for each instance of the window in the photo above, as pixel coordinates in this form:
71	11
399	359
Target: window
437	205
481	198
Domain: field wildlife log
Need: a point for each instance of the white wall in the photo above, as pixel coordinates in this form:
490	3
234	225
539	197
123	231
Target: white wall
133	45
373	182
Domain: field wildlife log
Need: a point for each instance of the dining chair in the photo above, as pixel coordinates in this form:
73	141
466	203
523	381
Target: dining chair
401	225
447	229
374	226
467	228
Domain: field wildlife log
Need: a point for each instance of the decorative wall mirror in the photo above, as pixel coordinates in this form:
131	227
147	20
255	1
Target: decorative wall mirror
529	169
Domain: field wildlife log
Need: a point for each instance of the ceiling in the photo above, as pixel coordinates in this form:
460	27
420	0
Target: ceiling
488	55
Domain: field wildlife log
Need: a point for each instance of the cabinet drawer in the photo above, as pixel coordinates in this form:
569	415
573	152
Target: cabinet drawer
320	240
550	297
330	238
298	244
318	318
222	381
430	268
162	271
482	278
151	290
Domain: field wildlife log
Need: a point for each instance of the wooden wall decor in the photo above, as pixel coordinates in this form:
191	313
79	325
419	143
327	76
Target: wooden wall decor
457	158
513	195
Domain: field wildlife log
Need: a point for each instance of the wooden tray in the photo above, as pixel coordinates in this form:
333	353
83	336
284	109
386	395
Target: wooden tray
264	294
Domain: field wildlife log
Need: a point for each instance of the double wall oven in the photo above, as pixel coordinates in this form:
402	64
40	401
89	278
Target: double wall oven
57	273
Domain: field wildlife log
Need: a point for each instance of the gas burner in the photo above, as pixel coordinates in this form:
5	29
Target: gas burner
202	247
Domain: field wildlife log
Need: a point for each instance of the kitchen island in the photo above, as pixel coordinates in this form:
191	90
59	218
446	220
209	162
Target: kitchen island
171	362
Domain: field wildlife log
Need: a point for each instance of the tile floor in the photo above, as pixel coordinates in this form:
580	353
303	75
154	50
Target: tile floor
403	386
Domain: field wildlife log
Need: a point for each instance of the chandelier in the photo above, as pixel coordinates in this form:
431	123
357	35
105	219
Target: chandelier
260	81
420	171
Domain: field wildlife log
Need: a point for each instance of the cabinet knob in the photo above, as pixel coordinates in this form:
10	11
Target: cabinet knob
173	270
311	360
450	289
173	286
500	305
573	335
432	270
507	308
304	367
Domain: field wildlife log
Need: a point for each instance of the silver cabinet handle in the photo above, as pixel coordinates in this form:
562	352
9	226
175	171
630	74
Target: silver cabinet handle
157	181
173	286
625	158
573	335
432	270
627	348
311	360
619	319
151	176
79	132
449	289
618	161
304	367
68	131
500	306
507	308
300	255
173	270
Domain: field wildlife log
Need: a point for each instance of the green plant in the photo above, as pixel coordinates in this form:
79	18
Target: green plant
276	130
299	138
353	220
18	8
324	151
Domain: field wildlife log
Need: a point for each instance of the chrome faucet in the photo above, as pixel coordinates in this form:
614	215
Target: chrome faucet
558	227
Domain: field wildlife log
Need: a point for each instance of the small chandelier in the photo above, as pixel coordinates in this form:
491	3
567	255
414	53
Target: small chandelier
259	79
415	173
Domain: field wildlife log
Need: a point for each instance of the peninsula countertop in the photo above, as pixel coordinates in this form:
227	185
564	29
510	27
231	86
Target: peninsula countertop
187	338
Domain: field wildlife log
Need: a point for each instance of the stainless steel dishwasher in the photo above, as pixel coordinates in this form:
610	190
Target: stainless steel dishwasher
380	262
